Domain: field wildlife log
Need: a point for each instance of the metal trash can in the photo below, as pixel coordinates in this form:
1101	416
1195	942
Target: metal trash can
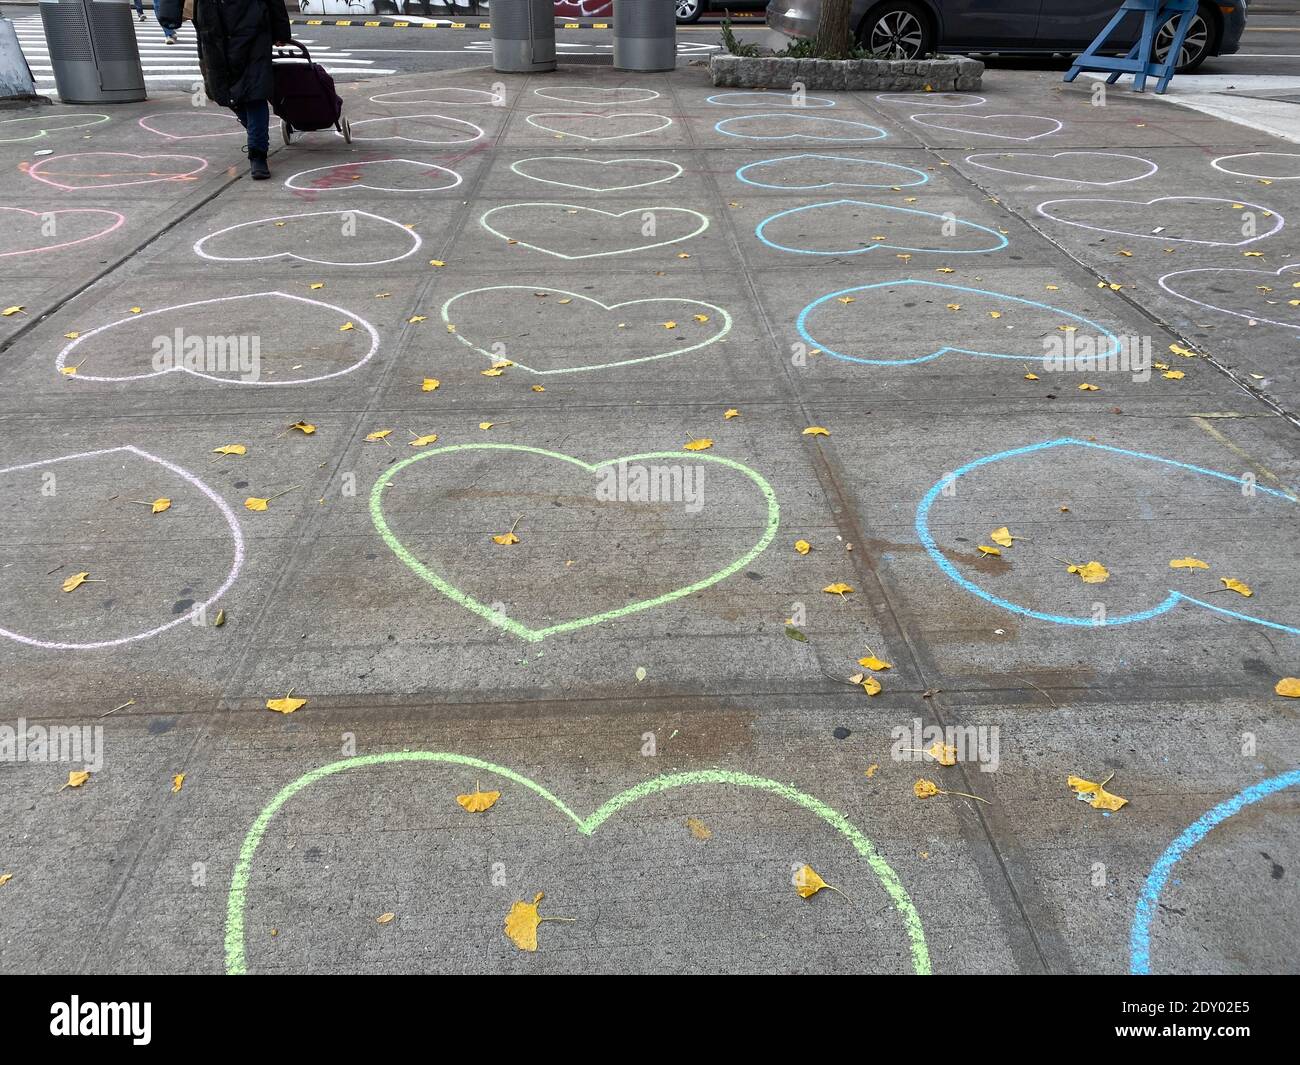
93	51
523	36
645	35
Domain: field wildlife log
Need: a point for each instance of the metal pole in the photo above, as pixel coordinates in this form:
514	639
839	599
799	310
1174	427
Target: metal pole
645	35
523	36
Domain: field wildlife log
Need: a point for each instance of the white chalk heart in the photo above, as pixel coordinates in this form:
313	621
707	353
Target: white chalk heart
346	238
1067	166
545	223
618	126
594	96
596	175
378	175
1027	127
1170	223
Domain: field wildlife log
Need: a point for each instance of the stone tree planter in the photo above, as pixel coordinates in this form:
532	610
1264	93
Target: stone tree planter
940	74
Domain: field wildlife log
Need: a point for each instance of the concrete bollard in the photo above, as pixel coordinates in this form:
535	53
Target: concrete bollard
645	35
523	36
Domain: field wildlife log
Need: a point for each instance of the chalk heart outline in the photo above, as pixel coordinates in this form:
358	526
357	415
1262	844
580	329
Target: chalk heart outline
805	330
1163	607
221	117
48	129
34	171
786	99
1219	271
599	96
936	99
237	898
959	114
410	234
418	164
976	160
630	161
1246	173
1278	220
525	632
841	159
479	132
703	225
491	356
793	115
62	360
663	123
232	523
1000	241
120	220
492	100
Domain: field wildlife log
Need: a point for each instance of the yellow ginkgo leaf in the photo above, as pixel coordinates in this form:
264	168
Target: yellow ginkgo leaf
486	425
670	325
423	441
418	318
802	547
1234	585
522	922
5	878
159	505
385	918
838	588
1101	799
494	371
136	310
730	413
870	685
1188	563
256	503
1002	536
807	883
76	777
995	314
1288	686
538	388
75	581
846	299
71	336
346	326
698	828
177	781
985	549
1186	353
316	285
287	705
1173	375
478	801
944	754
501	364
230	449
379	434
703	444
306	428
436	262
1085	387
1091	573
700	317
954	306
1031	377
505	539
10	311
925	789
816	430
872	662
430	384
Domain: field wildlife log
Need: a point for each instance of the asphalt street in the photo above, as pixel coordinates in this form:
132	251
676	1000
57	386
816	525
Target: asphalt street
611	487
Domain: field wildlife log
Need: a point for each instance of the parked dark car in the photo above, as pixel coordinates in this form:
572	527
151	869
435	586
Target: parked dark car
905	29
691	10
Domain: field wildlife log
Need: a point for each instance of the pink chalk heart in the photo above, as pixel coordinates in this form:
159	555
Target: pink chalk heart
24	232
114	170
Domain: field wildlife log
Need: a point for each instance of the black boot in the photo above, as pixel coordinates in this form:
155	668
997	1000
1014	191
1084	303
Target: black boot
257	165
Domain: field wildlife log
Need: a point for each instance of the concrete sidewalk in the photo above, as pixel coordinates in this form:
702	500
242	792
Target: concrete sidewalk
659	688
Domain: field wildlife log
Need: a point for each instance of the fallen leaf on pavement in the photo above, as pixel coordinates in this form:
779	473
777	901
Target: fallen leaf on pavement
1101	798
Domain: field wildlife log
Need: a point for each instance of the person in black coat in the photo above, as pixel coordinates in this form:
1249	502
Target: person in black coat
235	39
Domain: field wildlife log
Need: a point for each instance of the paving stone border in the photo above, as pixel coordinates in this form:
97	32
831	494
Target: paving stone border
941	74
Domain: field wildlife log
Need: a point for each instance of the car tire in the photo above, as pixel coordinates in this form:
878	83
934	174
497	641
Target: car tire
1200	43
897	26
689	11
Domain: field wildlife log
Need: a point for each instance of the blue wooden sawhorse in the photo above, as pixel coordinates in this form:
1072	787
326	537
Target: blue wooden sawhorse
1139	62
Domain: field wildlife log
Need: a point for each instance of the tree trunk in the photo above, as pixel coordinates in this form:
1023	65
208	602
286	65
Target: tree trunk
834	37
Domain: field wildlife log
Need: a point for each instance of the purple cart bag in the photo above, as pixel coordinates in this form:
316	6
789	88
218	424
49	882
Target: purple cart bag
304	96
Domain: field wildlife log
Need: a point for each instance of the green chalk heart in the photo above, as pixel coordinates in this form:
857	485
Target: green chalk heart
523	631
237	901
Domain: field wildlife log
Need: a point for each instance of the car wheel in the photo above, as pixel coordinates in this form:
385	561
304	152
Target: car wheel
1197	45
689	11
896	29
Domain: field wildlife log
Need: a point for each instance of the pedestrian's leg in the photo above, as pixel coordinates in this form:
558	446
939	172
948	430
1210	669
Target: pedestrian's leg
257	120
139	10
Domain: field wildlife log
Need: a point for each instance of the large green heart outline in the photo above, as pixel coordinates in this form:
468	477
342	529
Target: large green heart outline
236	903
523	631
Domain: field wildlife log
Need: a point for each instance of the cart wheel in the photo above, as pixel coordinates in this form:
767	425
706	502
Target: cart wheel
347	131
286	131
